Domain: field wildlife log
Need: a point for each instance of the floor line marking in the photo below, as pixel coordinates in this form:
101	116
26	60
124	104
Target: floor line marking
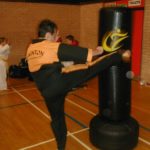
83	108
6	93
47	116
27	89
79	131
78	140
76	121
141	139
18	85
19	104
86	100
50	140
13	92
82	130
144	141
38	144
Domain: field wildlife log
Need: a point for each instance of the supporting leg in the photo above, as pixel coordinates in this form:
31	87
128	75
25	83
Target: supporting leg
58	124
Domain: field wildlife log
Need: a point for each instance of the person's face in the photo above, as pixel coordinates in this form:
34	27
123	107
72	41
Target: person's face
68	42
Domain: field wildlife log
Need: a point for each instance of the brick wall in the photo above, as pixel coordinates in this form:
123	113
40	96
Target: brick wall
145	66
89	22
19	23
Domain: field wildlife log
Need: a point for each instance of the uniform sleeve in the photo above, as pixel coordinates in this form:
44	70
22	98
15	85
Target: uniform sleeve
74	53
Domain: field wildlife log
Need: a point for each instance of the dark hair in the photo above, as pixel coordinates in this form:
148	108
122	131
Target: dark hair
46	26
70	37
2	39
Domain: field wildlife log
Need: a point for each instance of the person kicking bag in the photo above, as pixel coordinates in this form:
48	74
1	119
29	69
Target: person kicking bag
54	81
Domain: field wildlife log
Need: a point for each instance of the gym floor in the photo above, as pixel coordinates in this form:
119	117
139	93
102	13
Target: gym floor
25	122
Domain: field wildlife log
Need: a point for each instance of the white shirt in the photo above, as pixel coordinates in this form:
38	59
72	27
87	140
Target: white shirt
4	51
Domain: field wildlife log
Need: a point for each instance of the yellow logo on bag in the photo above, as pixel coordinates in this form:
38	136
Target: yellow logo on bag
111	40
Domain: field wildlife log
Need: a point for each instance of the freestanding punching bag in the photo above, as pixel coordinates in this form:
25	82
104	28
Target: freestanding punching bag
113	128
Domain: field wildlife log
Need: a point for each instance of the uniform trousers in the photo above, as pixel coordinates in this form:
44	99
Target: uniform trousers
55	85
3	75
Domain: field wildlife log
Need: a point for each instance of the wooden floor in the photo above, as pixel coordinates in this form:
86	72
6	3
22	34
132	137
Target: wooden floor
25	122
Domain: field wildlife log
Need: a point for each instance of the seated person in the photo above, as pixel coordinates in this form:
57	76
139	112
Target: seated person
71	40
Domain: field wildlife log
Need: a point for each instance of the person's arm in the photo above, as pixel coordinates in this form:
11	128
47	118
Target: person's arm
77	54
98	51
74	53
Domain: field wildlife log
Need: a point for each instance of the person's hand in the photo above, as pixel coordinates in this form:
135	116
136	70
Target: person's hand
98	51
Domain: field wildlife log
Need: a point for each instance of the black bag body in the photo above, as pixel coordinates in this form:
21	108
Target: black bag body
20	70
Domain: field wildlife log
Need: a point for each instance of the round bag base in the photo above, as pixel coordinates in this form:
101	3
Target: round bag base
121	135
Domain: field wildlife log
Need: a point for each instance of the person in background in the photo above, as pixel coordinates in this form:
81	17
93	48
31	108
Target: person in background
54	81
71	40
4	52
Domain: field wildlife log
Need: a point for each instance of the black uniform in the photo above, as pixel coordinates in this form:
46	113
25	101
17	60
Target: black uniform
54	84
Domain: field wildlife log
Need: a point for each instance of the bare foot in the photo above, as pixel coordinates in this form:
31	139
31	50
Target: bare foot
126	55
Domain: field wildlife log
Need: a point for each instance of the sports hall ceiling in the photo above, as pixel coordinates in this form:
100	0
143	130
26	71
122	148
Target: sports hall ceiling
61	1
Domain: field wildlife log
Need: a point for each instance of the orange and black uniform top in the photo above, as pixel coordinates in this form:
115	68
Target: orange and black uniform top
44	61
44	52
